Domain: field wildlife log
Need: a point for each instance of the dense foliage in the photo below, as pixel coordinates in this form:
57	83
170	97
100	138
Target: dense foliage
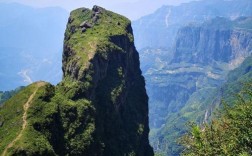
228	134
4	96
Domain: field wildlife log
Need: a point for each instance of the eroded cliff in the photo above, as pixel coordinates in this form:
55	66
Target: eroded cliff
185	87
217	40
101	105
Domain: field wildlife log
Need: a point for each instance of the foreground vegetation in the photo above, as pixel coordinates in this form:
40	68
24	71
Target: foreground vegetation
229	134
4	96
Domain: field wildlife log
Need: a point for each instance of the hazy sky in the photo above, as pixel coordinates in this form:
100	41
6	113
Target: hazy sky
133	9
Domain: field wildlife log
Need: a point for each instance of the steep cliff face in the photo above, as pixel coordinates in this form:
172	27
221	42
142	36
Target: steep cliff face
216	40
101	105
111	79
160	28
185	88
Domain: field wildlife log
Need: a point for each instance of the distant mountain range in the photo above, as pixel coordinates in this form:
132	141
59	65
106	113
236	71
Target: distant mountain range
192	56
186	88
30	44
158	30
187	54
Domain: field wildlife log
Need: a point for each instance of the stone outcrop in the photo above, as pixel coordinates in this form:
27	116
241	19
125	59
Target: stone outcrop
100	108
216	40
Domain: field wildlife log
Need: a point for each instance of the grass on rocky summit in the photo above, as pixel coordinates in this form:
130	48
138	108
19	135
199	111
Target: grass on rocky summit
96	38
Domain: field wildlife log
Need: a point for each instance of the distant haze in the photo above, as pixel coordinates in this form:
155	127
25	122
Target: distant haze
132	9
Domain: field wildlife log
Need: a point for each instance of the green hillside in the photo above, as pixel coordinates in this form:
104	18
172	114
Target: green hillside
229	133
99	108
4	96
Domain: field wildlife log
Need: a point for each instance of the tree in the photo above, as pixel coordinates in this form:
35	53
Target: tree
230	134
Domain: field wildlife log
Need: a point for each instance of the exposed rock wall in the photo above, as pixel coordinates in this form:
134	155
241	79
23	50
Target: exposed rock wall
100	108
212	42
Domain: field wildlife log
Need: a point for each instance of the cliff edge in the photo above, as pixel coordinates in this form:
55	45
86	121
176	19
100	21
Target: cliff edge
99	108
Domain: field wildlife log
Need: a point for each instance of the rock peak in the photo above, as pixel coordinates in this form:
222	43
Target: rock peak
97	8
100	107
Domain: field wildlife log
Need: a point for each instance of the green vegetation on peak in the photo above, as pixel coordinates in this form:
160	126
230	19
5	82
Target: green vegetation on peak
100	108
91	31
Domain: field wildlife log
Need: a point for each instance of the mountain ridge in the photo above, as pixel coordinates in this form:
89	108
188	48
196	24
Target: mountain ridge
168	19
179	87
99	108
